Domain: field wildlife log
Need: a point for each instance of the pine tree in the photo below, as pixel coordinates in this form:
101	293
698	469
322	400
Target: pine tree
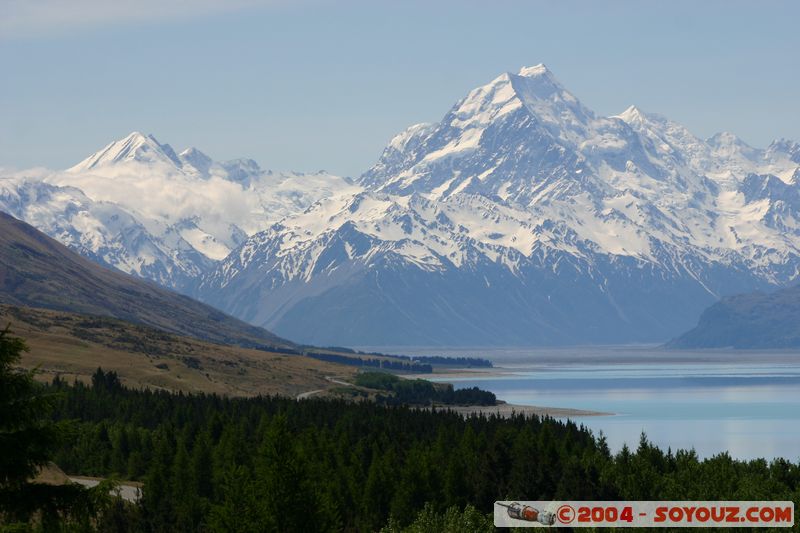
378	490
240	507
28	439
202	467
157	498
288	504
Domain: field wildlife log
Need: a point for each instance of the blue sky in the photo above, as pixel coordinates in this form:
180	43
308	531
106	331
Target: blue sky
312	85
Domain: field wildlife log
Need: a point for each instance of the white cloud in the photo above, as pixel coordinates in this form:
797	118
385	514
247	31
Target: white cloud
19	18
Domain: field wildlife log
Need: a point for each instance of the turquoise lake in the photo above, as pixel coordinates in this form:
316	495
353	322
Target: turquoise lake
745	403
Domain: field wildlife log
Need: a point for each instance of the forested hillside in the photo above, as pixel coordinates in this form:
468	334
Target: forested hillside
275	464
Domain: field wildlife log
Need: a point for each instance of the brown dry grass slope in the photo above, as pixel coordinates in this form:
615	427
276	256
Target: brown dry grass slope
73	346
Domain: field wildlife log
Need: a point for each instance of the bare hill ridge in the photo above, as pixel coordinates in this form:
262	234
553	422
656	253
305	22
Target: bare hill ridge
37	271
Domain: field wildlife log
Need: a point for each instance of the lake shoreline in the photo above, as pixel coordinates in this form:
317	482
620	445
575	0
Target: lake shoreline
507	410
502	408
745	404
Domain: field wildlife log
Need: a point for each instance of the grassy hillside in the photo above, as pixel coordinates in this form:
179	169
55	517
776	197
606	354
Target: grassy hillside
37	271
73	346
755	320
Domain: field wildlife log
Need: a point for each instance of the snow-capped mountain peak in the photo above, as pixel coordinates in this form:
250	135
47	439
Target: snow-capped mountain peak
790	149
534	116
533	88
538	82
137	205
523	215
242	171
632	115
195	160
729	146
535	71
135	148
520	217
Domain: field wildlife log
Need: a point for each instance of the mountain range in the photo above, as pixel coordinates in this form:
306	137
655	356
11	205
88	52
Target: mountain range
140	207
520	218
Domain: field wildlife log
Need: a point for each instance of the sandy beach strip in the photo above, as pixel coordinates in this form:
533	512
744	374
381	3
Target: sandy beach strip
506	410
502	409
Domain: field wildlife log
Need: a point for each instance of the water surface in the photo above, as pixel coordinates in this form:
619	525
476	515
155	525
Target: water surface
745	403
